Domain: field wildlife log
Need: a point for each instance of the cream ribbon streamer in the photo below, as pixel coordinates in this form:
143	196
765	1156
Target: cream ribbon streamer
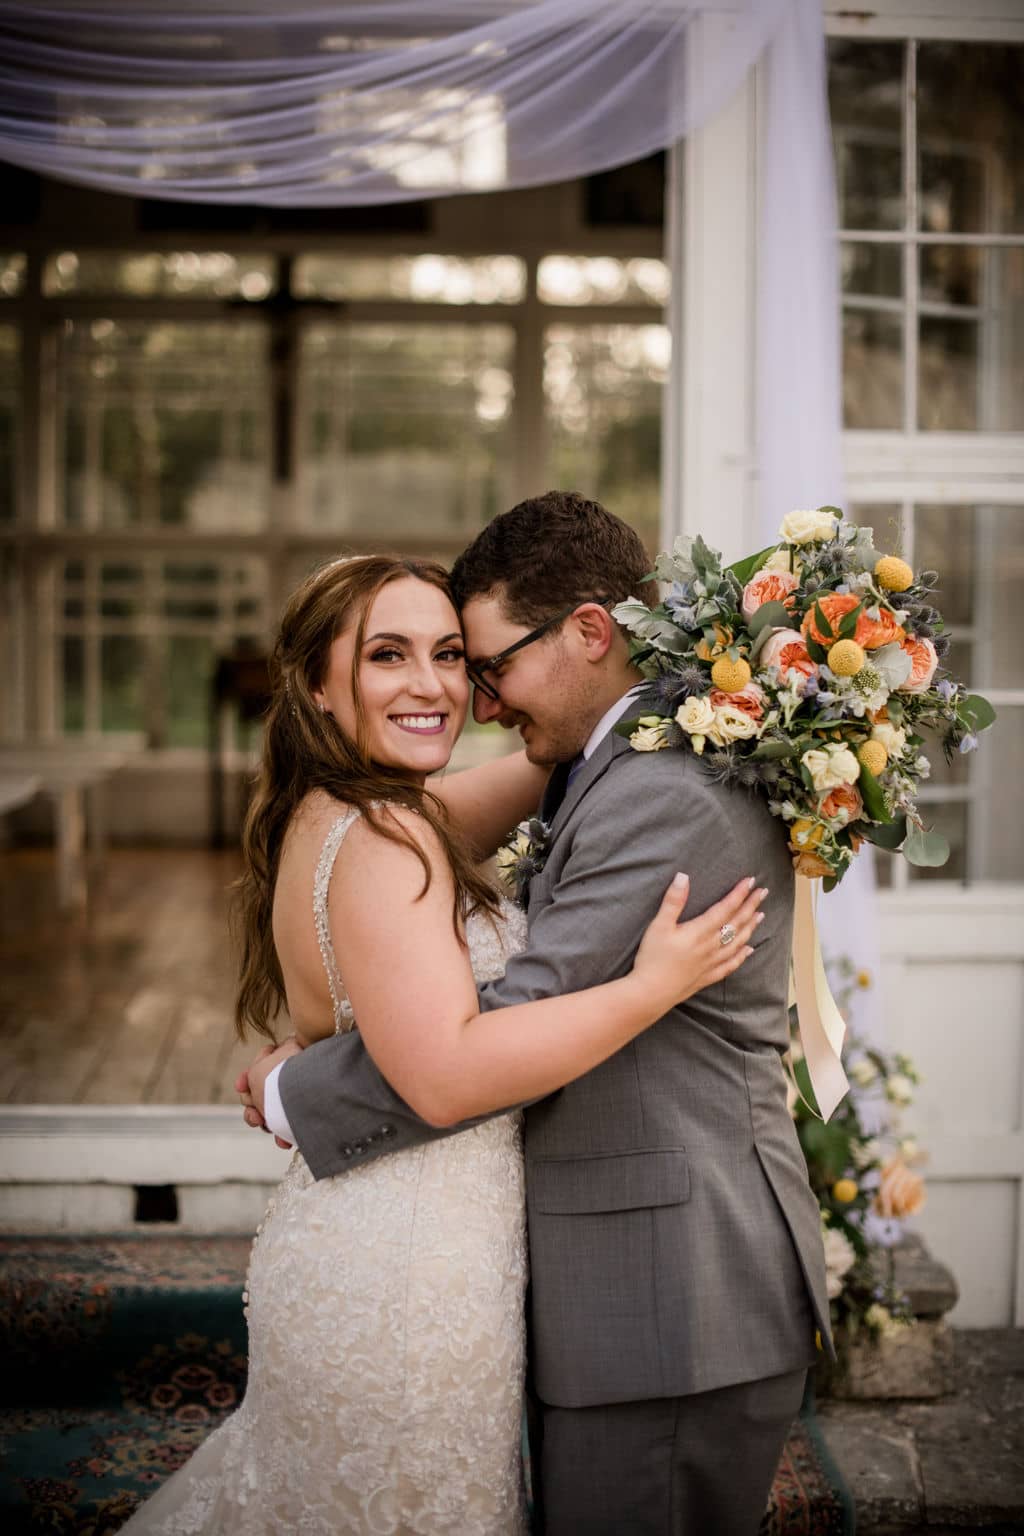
822	1030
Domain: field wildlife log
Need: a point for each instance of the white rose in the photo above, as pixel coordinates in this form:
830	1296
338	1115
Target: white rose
778	561
892	737
649	738
732	724
808	527
863	1072
881	1320
899	1089
866	1152
696	716
839	1258
830	766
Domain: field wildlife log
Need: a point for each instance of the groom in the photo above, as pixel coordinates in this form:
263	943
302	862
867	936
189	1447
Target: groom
676	1257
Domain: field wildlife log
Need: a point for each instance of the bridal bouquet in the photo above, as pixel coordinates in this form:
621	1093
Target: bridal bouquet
808	671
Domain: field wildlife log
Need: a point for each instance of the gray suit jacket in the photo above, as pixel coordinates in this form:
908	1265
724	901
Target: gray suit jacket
675	1245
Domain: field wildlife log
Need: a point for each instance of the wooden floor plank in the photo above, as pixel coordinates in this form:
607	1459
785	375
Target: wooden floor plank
131	1002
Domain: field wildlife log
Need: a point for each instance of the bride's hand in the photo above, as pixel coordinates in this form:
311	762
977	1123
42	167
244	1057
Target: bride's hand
677	959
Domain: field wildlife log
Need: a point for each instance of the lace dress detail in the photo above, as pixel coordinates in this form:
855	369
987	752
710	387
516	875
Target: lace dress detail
386	1335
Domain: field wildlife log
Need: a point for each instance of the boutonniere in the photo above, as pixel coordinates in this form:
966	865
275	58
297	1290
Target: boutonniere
522	856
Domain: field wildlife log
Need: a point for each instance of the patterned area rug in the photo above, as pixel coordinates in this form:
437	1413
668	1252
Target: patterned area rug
121	1354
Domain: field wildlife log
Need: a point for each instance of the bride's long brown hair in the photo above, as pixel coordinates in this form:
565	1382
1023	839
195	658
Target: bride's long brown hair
305	749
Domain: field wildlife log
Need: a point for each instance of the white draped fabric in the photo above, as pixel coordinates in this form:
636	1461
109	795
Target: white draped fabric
337	103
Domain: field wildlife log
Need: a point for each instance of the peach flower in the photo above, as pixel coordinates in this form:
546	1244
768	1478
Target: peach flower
900	1191
750	700
923	661
786	650
870	633
845	797
767	587
810	866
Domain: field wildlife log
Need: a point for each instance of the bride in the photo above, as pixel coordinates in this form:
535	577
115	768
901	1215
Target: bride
385	1308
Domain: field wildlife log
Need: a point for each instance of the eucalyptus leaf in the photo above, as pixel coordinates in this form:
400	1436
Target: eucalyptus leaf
871	793
663	634
770	615
928	850
744	569
889	836
772	749
977	712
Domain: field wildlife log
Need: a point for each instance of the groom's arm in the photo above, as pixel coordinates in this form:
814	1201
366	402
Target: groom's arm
625	852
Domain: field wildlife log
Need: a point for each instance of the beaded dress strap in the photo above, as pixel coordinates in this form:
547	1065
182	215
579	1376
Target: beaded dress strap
321	885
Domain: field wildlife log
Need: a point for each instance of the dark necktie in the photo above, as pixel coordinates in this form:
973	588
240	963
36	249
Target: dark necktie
558	784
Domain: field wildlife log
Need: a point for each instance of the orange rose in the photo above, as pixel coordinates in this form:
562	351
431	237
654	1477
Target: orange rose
750	699
810	866
786	650
835	606
874	633
845	797
870	633
767	587
923	661
708	650
900	1191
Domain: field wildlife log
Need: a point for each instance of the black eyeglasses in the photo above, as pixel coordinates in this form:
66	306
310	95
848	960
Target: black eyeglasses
476	670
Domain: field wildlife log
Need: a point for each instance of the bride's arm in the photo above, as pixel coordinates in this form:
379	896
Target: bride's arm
411	988
486	802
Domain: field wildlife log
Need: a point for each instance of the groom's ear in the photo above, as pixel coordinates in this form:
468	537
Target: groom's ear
596	629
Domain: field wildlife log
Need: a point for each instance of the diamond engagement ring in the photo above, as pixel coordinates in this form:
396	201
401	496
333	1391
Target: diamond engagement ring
726	934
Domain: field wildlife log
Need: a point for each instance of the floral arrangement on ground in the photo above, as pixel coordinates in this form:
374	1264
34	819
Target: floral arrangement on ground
808	671
863	1170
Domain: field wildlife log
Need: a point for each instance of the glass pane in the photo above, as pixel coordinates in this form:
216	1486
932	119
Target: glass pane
73	673
12	275
872	271
602	385
979	554
602	280
885	519
945	540
10	393
189	670
950	818
121	683
872	369
866	103
164	424
160	274
972	348
970	131
1002	771
428	279
408	430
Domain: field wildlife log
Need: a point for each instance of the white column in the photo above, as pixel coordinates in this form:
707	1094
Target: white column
708	479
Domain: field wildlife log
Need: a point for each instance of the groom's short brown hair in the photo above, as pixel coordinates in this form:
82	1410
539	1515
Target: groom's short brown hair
550	551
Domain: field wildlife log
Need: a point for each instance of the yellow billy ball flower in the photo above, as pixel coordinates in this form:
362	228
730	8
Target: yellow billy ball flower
844	1190
730	675
893	574
846	658
872	756
804	834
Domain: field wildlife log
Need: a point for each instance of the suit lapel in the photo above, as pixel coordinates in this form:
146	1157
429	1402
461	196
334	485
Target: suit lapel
608	749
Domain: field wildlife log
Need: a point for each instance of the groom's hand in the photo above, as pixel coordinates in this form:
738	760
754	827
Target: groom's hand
250	1083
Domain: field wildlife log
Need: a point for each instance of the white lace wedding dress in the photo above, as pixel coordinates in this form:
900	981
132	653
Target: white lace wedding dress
386	1336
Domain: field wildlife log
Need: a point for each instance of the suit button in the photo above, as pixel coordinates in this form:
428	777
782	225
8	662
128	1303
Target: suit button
387	1130
346	1151
359	1147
